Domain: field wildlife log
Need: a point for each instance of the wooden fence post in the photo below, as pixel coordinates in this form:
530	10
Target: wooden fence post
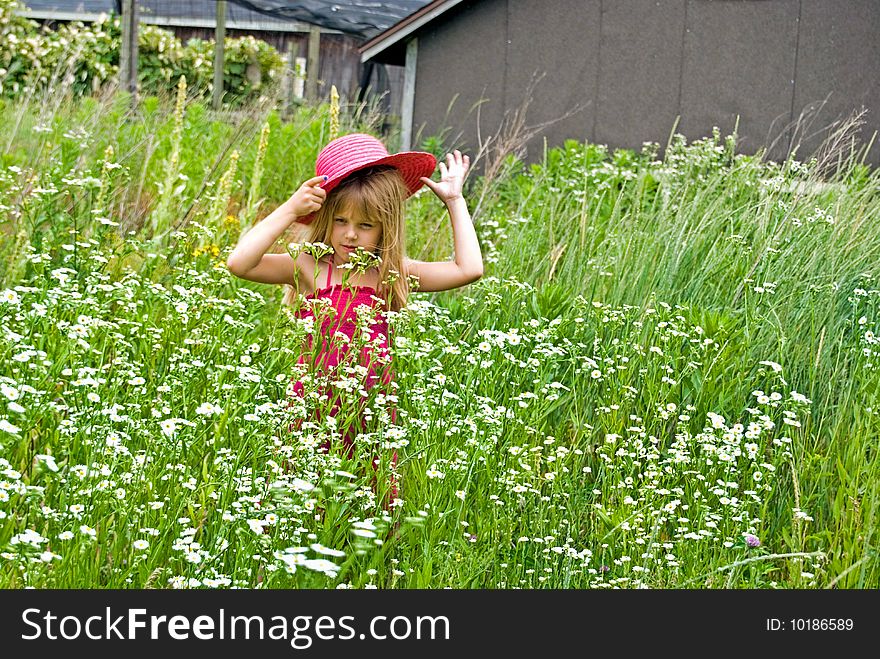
409	94
299	81
129	49
312	65
287	82
219	44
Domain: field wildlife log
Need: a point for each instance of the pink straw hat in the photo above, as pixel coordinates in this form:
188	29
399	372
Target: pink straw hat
350	153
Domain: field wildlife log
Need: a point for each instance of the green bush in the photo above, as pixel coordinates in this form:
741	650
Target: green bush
83	58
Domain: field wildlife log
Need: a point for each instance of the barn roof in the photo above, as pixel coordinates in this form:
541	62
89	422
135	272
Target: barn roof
386	45
362	18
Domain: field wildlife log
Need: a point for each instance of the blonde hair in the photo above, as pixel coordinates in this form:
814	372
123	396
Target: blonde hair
377	194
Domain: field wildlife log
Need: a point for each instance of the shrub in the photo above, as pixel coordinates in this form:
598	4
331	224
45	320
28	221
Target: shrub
86	57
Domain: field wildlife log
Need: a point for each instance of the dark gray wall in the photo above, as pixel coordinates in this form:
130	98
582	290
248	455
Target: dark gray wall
738	59
639	94
633	68
460	62
838	58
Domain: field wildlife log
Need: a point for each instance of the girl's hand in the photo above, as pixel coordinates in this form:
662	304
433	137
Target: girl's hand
452	174
309	197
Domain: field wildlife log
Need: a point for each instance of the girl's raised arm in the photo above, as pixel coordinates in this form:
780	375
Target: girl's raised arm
467	266
249	259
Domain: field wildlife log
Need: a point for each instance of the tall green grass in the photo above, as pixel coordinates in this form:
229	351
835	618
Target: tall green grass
667	377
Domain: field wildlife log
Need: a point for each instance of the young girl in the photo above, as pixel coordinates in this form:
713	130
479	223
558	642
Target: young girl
355	206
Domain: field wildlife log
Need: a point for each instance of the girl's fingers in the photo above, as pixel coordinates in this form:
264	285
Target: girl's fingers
315	181
457	159
313	195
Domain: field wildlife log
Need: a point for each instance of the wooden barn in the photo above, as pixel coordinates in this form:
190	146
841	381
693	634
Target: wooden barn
333	30
623	72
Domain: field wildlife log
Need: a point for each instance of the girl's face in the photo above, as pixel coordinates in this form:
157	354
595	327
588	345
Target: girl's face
352	230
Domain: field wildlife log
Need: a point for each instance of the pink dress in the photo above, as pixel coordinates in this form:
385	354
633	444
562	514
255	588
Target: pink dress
375	355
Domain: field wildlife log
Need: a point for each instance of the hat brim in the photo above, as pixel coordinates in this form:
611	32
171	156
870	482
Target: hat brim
412	165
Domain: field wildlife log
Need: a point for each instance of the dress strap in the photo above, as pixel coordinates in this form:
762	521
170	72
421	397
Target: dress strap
329	272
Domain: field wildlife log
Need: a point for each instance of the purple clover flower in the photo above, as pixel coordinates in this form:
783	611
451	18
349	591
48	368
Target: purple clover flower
752	540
